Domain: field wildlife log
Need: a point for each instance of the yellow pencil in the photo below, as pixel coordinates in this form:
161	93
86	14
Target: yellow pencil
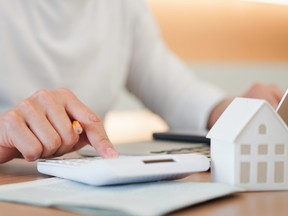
77	127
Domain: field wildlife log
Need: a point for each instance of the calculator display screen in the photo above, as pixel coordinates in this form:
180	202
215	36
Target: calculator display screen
158	161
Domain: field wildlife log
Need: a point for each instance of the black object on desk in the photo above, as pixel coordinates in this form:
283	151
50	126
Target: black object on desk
181	137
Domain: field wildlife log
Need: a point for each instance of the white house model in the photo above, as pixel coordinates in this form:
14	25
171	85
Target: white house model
249	146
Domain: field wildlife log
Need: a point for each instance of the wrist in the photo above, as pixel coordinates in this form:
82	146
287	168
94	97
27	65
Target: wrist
217	111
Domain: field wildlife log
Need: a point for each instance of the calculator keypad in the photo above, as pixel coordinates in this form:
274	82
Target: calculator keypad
203	150
72	161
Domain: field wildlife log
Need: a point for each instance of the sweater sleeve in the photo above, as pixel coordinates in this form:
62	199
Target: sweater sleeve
163	83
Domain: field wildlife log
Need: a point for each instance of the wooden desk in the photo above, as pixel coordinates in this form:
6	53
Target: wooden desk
249	203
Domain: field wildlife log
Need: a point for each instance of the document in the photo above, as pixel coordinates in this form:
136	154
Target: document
153	199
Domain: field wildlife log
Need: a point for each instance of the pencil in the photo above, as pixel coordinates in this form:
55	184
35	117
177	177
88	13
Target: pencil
77	127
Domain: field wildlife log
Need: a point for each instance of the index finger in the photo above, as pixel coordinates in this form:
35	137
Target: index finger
91	123
97	136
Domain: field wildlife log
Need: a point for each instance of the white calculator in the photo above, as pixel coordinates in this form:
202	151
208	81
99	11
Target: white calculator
125	169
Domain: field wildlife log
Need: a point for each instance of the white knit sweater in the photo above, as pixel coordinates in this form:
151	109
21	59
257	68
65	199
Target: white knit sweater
96	48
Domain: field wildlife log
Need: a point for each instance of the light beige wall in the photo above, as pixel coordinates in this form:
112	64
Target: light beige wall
223	30
214	34
230	43
236	78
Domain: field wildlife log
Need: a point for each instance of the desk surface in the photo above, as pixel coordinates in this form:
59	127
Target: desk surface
248	203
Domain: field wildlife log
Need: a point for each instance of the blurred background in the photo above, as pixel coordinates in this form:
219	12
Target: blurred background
232	43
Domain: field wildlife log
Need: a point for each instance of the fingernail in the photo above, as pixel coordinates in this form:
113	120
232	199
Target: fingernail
111	153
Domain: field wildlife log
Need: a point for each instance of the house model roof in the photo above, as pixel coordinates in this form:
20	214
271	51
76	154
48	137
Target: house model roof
237	116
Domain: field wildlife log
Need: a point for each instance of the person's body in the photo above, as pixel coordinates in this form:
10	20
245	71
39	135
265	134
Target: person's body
74	57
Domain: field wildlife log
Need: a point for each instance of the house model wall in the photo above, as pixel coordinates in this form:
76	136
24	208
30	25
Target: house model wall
249	146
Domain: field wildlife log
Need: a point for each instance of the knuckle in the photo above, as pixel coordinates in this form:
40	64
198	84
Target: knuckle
104	141
33	153
41	94
11	120
66	95
65	92
43	97
53	144
70	140
27	107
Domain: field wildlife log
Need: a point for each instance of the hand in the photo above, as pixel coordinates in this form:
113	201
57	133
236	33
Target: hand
271	93
40	127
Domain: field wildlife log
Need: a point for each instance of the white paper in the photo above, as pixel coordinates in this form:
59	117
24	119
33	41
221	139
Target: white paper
156	198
